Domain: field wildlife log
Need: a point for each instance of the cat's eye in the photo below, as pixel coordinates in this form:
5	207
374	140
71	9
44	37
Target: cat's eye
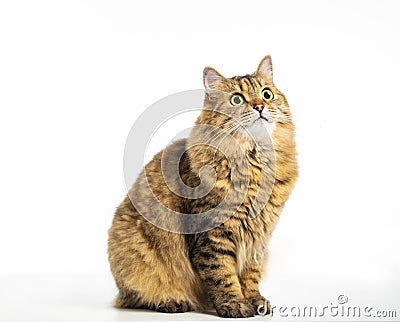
237	100
267	94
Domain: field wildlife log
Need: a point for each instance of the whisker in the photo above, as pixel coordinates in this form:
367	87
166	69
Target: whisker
229	133
213	138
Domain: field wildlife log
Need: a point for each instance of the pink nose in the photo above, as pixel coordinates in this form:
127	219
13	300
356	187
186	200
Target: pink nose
259	107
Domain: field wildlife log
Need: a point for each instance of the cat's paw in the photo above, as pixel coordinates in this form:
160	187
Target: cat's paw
172	306
261	305
236	309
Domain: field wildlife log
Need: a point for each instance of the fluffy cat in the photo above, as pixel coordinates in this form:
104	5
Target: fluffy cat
220	267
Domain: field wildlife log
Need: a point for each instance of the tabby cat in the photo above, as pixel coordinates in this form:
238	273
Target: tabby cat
221	267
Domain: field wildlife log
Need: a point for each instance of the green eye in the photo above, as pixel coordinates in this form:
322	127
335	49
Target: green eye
237	100
267	94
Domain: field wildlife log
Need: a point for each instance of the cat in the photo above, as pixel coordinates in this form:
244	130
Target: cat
218	267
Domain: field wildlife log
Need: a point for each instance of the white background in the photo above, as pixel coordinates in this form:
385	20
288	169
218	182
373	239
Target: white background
74	76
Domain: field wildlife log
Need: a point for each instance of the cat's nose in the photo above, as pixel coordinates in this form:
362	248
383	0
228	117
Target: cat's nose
259	107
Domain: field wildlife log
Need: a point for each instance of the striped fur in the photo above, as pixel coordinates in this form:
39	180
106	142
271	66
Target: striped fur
221	267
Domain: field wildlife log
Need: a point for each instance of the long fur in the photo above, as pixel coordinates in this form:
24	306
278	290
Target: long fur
222	267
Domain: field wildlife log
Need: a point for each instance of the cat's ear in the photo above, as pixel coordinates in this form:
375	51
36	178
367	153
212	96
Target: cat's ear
264	69
211	78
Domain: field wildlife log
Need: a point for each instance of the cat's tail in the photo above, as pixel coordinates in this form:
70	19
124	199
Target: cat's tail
128	300
132	300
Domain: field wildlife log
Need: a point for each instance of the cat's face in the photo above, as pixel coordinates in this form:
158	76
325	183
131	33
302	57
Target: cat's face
252	101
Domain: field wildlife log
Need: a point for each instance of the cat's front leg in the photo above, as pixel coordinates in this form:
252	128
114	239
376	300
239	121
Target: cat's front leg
214	258
250	279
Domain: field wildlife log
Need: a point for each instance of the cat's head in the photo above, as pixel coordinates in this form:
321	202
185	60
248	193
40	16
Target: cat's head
248	106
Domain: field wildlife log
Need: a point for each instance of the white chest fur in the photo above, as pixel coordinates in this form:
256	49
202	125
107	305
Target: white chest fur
250	252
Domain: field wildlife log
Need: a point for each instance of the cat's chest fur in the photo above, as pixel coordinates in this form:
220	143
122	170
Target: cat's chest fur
252	221
251	248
